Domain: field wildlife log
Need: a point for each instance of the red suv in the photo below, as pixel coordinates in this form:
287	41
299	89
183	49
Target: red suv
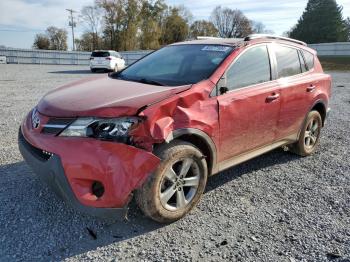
160	127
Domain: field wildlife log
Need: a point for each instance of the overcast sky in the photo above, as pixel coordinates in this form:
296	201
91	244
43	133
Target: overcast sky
20	20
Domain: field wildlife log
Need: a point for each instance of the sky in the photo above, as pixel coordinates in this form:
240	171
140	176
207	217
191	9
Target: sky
20	20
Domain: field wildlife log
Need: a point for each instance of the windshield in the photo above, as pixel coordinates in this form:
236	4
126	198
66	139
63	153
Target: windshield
177	65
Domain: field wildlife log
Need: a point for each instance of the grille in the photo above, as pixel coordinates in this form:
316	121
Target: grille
55	125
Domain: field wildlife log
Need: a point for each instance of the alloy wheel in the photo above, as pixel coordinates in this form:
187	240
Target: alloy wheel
311	133
179	184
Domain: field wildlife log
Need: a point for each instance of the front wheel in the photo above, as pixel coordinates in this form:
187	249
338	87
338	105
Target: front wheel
177	185
309	136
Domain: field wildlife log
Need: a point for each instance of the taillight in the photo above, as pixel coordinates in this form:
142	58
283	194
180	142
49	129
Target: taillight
108	58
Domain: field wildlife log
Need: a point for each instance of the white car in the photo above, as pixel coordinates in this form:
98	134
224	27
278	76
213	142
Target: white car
106	59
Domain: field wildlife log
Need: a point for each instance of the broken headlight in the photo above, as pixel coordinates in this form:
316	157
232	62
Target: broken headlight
116	129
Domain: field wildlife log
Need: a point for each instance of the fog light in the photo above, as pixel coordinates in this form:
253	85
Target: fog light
98	189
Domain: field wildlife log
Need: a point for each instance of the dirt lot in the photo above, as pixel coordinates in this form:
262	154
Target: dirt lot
278	207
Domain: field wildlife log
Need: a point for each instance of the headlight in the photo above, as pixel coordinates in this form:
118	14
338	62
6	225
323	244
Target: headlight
107	129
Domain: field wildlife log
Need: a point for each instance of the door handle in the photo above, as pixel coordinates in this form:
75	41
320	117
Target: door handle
311	89
272	98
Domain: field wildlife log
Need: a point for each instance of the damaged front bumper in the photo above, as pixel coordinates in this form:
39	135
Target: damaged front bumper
52	173
70	166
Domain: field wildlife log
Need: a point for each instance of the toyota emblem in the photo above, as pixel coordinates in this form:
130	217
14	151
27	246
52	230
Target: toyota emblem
35	119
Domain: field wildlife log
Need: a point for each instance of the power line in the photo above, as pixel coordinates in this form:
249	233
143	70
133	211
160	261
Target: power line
21	30
72	24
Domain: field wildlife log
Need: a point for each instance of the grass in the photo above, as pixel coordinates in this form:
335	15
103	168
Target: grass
335	63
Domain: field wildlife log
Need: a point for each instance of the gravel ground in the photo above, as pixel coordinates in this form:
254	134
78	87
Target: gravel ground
277	207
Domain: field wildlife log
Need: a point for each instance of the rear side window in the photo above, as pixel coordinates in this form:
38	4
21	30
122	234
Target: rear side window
288	63
252	67
302	62
309	59
100	54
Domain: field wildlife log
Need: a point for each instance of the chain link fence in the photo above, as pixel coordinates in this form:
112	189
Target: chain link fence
48	57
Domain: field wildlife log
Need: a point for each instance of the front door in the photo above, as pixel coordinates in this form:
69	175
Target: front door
249	110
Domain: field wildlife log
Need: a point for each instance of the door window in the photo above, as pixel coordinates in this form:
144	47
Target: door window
309	59
288	63
252	67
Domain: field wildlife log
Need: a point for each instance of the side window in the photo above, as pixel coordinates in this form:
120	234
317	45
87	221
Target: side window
309	59
252	67
288	63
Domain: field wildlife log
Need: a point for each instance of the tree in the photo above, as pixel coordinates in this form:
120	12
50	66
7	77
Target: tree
175	28
53	39
151	24
41	41
321	22
260	28
113	13
91	16
347	22
57	38
231	23
131	24
203	28
86	42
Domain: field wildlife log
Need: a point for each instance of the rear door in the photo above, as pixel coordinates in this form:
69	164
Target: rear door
296	84
249	111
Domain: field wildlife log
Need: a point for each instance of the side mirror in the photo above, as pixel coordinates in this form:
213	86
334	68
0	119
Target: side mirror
222	86
223	90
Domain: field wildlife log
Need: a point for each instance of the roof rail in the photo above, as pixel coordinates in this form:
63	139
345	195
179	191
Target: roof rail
258	36
207	37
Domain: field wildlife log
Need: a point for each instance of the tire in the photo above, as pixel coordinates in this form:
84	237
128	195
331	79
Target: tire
164	184
93	70
309	137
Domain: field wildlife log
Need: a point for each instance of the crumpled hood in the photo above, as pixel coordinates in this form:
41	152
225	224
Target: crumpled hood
103	96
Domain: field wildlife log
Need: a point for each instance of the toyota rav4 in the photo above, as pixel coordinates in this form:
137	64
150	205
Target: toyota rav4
158	129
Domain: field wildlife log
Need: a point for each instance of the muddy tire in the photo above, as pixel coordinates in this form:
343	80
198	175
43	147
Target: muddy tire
309	137
177	185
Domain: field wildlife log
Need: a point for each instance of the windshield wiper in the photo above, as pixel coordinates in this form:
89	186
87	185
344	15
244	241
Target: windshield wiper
150	82
142	80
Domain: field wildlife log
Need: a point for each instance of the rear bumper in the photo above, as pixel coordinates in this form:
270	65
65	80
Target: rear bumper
52	173
102	66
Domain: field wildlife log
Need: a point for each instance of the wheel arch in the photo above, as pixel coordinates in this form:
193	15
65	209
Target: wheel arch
320	106
201	140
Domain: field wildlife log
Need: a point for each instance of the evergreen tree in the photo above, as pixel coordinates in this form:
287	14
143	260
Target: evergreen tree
321	22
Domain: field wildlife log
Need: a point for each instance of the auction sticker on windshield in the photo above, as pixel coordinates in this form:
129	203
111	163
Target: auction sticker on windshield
216	48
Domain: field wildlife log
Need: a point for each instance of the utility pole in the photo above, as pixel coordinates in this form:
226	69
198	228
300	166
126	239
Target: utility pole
72	24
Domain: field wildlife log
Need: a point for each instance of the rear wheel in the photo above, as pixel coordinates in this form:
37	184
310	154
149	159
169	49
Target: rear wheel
176	186
309	136
93	70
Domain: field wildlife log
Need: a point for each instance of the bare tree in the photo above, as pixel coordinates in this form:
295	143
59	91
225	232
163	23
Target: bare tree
57	37
92	18
231	23
260	28
202	28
